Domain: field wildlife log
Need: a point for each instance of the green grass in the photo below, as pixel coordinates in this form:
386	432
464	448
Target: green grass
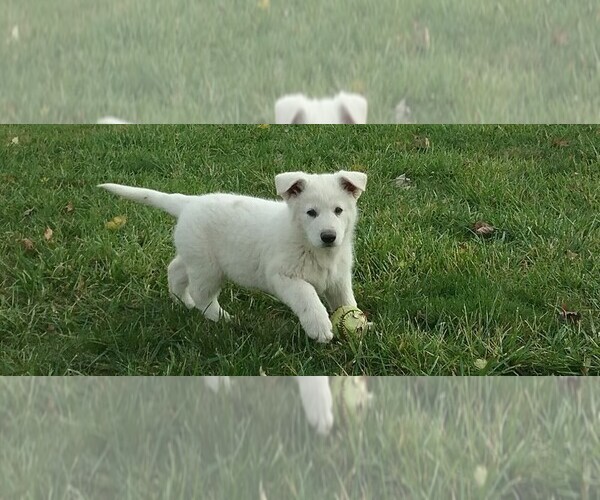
444	301
186	61
139	438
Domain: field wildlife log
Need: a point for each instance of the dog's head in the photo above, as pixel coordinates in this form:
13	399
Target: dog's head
323	205
344	108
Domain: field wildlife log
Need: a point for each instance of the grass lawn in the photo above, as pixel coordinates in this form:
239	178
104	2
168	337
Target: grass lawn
152	438
185	61
76	297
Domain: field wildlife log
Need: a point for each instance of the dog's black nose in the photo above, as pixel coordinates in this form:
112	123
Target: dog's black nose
328	237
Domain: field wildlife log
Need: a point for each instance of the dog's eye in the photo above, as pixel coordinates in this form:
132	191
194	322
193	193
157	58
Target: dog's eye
338	211
312	213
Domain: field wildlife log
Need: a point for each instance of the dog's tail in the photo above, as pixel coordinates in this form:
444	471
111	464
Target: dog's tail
170	203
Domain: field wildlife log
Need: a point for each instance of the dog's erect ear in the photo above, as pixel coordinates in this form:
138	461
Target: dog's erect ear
353	182
352	108
290	109
345	116
299	118
290	184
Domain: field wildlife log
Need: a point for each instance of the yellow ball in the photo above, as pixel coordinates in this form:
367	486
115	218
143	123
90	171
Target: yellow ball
349	320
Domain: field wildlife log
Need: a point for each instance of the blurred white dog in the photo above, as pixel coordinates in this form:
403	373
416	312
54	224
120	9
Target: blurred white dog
343	108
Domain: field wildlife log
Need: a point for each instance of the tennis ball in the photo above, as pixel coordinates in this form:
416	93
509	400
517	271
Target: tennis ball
349	320
351	398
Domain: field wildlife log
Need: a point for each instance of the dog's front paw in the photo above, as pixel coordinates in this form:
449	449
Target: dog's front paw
318	404
319	328
321	419
185	299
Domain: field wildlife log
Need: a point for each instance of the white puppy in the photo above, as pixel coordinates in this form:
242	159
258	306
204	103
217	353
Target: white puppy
343	108
315	394
296	249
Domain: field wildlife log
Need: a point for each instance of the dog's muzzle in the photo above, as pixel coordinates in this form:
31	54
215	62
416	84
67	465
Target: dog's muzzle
328	238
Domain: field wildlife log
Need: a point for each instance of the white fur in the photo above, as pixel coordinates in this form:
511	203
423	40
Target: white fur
343	108
111	120
315	394
281	247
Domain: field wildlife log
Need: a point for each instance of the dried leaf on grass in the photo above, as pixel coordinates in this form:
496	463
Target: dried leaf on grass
483	229
569	316
116	223
28	244
480	363
421	143
402	181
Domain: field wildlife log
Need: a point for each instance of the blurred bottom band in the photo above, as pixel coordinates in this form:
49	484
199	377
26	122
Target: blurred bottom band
266	437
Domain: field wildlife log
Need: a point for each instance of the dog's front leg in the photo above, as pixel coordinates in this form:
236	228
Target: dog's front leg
302	298
340	293
317	401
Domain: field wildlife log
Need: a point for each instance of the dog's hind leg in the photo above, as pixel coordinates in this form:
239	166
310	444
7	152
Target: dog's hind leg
178	282
204	287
